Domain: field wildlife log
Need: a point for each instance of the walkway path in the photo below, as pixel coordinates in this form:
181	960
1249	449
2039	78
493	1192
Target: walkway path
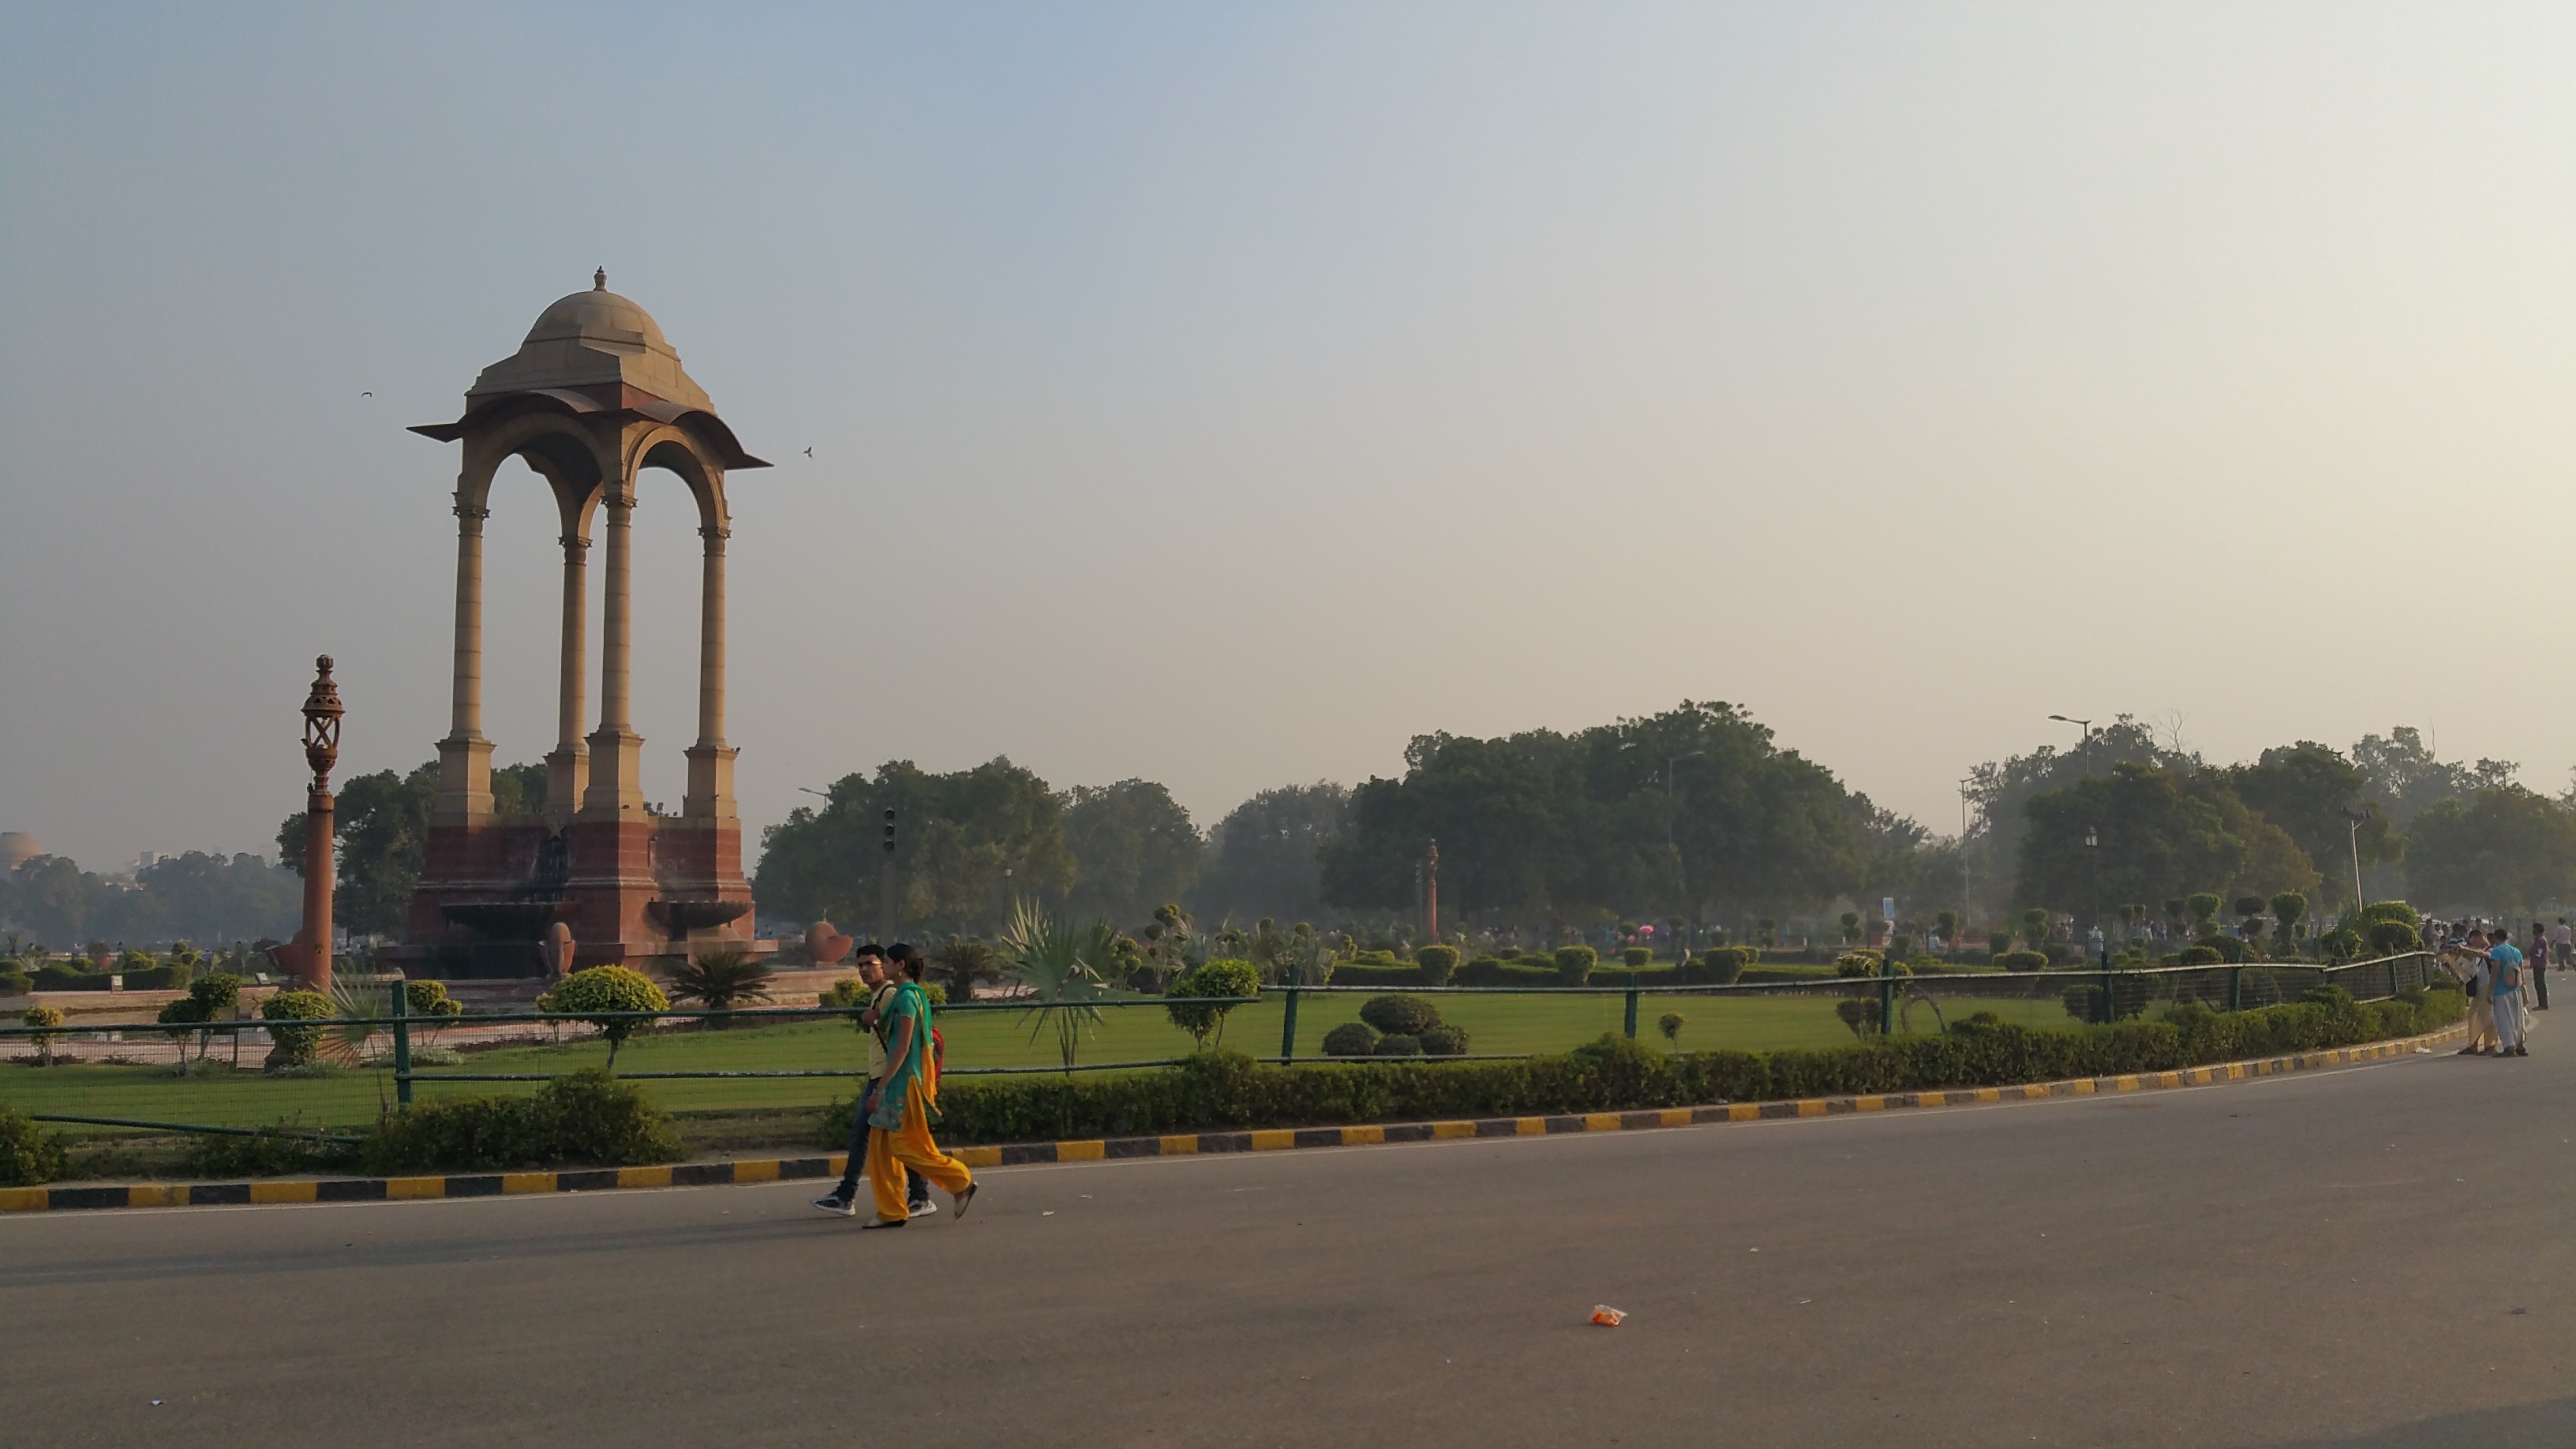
2326	1258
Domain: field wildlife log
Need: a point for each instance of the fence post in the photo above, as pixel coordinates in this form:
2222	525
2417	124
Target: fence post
1886	998
1288	1028
2110	1000
1632	1006
2236	988
402	1043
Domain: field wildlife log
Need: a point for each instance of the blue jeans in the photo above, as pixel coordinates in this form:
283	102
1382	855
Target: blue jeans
916	1192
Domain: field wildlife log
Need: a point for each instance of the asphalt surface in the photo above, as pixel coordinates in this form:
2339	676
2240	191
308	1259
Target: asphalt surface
2375	1256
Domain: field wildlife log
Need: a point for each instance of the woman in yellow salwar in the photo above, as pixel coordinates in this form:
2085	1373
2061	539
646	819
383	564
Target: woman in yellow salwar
906	1103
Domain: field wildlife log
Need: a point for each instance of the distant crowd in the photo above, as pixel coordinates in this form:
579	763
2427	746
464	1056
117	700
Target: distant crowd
2505	983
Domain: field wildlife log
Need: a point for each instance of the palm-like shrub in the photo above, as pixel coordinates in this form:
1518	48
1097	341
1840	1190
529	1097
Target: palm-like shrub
1059	965
966	960
721	980
606	989
1670	1024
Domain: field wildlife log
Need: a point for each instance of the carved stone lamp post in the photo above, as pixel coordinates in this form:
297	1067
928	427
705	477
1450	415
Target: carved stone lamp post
321	751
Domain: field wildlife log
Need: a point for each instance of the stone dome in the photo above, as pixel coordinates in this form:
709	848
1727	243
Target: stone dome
598	315
592	338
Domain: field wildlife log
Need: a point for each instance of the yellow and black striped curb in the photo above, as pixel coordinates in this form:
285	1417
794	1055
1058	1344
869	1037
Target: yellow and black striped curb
781	1169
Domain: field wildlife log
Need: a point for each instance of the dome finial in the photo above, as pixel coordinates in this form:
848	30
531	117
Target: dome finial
599	280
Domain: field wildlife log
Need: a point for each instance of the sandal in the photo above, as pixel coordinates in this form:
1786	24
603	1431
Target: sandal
968	1196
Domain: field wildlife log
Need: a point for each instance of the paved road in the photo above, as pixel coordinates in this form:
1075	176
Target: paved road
2333	1258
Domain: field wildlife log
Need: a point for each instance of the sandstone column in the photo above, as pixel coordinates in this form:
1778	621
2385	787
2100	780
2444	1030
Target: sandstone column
711	759
465	757
567	768
615	748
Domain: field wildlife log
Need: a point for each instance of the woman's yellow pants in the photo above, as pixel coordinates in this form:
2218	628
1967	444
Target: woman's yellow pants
912	1147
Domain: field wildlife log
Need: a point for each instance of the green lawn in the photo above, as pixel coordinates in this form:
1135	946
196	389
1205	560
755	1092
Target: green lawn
1496	1024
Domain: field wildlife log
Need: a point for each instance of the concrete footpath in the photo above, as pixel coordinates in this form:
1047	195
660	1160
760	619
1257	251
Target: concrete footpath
2372	1255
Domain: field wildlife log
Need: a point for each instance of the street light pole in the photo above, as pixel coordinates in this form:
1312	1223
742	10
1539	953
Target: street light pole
2352	819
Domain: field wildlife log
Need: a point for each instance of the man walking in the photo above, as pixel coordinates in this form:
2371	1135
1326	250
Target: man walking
870	959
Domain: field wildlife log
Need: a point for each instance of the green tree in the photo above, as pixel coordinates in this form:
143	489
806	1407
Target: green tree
1133	847
2160	831
2001	790
955	836
380	829
2400	771
1588	828
603	989
1187	1003
2305	789
1261	856
2504	849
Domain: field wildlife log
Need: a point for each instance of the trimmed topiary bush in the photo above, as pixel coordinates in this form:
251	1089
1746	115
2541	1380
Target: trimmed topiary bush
2199	956
1436	963
1351	1039
296	1045
1637	958
29	1154
1574	964
2022	960
1400	1015
605	989
1444	1040
1725	965
1218	979
1398	1044
2394	938
43	1016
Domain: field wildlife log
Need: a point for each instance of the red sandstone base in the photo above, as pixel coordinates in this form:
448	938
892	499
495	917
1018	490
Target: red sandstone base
632	891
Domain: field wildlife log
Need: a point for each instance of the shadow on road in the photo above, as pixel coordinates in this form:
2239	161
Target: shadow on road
2525	1426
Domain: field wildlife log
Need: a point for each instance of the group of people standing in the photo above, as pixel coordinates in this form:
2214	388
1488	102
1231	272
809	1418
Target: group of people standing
890	1124
2504	983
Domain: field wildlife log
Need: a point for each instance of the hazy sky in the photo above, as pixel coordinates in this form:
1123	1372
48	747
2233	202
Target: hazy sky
1224	394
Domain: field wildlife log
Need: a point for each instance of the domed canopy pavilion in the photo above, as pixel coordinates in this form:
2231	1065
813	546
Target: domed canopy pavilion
594	396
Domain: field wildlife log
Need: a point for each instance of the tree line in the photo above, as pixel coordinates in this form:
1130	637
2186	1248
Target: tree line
51	901
1695	815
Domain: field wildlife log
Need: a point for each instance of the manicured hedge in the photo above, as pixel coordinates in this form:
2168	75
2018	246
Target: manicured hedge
1355	973
587	1117
1225	1090
1486	971
1787	973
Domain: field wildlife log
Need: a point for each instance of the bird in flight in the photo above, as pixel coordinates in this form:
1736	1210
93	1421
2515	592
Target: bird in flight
366	394
809	452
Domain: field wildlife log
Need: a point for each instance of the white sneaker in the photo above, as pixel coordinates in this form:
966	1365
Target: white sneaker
837	1205
924	1208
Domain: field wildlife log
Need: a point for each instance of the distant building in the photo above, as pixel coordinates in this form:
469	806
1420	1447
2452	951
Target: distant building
17	847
